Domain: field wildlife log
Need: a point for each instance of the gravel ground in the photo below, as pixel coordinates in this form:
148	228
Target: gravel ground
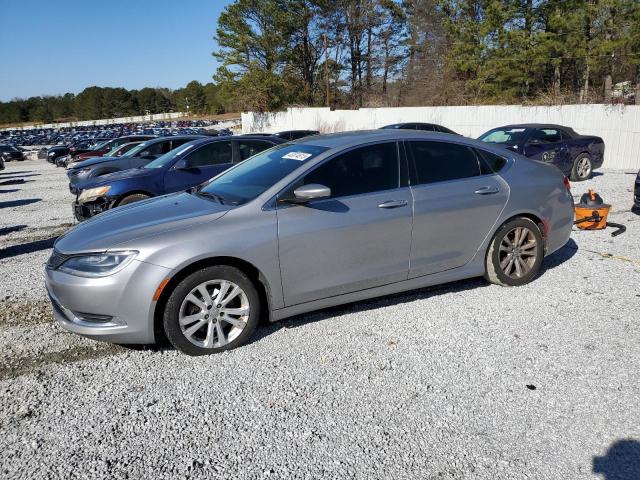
464	380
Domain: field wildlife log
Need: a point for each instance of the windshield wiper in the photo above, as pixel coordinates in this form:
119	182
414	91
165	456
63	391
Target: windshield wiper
201	193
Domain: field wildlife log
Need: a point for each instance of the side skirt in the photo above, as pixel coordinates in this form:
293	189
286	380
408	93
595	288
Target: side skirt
470	270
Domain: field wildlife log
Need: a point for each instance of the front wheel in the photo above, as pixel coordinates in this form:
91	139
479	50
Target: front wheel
136	197
515	253
212	310
582	168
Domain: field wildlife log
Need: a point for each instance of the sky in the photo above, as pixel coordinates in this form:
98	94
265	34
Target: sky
50	47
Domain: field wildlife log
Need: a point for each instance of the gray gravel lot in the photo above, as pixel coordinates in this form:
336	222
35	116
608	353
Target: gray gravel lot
464	380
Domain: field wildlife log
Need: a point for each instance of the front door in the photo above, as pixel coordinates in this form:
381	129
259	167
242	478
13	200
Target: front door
358	238
456	203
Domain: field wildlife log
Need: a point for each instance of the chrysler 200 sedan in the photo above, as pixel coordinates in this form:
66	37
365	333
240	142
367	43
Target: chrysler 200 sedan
319	222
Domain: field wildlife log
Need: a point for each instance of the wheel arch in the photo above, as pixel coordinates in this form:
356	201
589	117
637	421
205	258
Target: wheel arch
254	274
132	192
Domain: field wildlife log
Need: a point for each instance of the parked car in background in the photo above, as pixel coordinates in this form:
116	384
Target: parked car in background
636	192
103	148
10	153
426	127
178	170
135	158
574	154
122	149
55	153
326	220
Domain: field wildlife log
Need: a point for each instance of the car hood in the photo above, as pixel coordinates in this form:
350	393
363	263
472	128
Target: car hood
93	161
165	214
115	176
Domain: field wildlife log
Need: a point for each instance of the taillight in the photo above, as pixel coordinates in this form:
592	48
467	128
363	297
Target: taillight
567	183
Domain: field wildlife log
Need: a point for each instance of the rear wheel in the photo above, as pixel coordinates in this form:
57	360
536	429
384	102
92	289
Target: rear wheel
136	197
515	253
582	168
212	310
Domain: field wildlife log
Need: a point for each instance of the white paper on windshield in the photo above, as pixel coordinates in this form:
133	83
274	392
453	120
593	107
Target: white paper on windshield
516	130
300	156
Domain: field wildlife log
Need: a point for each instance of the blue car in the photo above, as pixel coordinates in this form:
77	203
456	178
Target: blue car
574	154
184	167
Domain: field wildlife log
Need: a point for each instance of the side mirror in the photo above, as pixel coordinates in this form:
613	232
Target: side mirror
183	164
313	191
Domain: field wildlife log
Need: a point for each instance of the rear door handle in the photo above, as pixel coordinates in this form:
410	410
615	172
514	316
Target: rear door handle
393	204
486	191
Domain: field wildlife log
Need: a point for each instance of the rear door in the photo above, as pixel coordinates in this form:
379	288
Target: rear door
198	166
357	239
456	203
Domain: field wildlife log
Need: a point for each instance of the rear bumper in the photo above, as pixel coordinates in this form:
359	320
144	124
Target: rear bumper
118	308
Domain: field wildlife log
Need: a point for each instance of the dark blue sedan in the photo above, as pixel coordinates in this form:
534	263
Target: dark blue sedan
181	168
576	155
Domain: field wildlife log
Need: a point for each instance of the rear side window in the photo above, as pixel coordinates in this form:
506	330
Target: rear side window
215	153
361	170
442	161
249	148
490	162
546	135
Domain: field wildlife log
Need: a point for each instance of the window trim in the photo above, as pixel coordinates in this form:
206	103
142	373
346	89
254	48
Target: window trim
294	183
413	172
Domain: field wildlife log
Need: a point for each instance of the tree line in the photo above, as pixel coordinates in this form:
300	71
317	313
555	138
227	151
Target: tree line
354	53
105	102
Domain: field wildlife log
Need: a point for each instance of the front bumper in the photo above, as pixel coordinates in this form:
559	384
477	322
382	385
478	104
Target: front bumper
118	308
84	211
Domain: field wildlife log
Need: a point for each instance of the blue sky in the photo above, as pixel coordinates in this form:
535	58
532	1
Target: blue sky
49	47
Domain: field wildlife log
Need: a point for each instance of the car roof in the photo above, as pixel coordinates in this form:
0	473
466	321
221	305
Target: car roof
535	125
359	137
223	138
173	137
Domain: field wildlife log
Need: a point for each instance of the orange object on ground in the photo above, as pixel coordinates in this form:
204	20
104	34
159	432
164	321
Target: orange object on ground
591	212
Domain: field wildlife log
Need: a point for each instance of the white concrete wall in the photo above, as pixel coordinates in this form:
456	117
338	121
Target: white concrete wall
156	117
618	125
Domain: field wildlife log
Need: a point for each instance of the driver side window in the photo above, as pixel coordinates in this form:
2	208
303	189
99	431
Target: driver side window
362	170
216	153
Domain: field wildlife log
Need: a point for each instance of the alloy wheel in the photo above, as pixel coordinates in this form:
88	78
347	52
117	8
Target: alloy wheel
584	167
214	313
518	252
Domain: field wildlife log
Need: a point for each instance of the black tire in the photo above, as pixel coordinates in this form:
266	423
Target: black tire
494	273
578	172
172	310
136	197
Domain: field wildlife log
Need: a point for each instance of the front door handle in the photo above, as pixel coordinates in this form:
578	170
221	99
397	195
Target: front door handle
393	204
486	191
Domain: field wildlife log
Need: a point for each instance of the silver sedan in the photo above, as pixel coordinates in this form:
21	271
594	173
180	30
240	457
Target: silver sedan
319	222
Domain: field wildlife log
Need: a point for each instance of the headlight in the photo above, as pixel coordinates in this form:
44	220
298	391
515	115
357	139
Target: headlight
98	264
93	193
51	154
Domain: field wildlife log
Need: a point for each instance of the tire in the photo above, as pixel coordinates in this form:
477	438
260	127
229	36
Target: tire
193	322
582	168
523	264
136	197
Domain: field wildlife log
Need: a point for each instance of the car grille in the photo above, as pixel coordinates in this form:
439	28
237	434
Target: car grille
56	259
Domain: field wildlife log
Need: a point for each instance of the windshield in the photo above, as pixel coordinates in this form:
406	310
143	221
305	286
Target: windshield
135	150
100	144
260	172
506	136
167	158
